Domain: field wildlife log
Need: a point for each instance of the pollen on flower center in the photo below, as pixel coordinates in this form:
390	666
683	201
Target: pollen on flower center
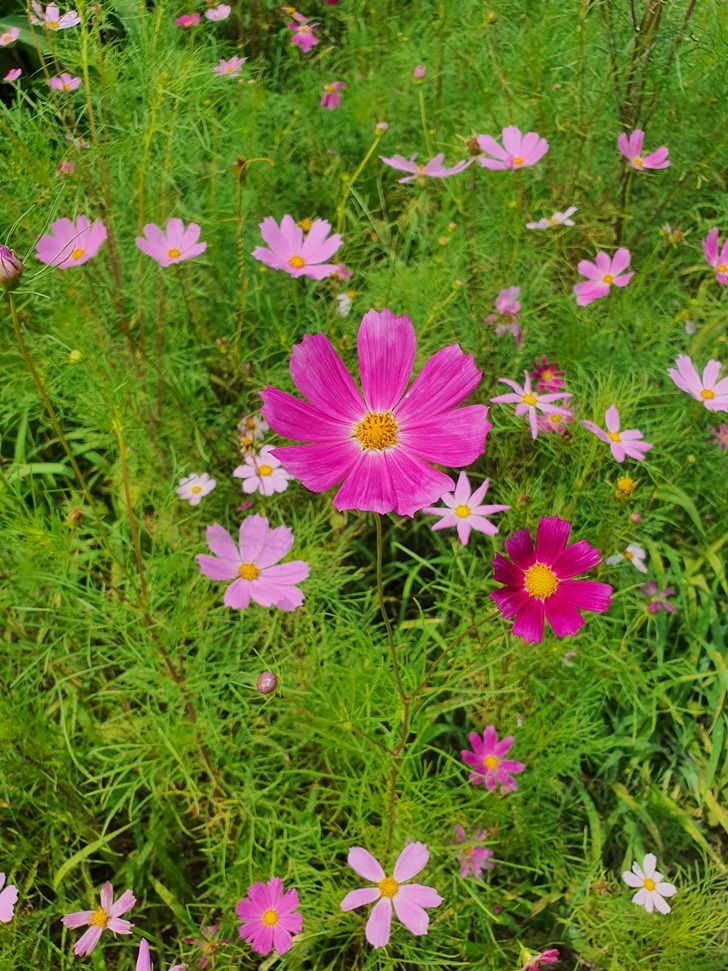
462	512
547	375
270	918
265	469
608	279
517	160
626	485
555	419
637	160
707	394
248	571
490	762
628	555
388	887
723	268
420	168
614	436
649	884
173	253
52	24
77	254
196	489
296	262
303	30
552	221
467	851
378	430
529	399
330	89
306	224
99	918
540	581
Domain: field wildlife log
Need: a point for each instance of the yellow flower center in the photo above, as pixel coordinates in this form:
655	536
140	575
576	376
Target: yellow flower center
723	268
529	399
7	38
649	884
608	279
540	581
462	512
270	918
637	160
248	571
173	253
297	262
555	419
420	168
467	851
265	469
626	485
351	294
388	887
628	555
490	762
546	375
552	221
330	89
707	394
99	918
614	436
378	430
517	160
306	224
229	69
304	30
77	254
52	24
196	489
66	87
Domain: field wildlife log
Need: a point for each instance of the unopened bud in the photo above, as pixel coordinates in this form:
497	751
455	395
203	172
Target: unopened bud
267	682
11	269
419	73
382	126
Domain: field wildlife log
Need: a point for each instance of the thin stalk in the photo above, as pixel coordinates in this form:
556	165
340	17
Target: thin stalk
349	183
423	116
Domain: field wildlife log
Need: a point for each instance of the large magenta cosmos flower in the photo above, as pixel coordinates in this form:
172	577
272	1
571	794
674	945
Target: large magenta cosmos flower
380	446
538	583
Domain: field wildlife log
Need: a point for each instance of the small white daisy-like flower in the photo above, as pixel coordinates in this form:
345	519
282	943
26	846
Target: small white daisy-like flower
193	487
252	428
262	473
652	890
633	554
463	510
344	301
558	219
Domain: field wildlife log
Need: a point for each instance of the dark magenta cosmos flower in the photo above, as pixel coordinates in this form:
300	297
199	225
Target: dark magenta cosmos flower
487	762
380	446
268	917
539	582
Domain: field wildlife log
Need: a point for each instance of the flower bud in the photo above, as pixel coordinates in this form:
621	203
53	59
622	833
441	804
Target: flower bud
267	682
382	126
419	73
11	269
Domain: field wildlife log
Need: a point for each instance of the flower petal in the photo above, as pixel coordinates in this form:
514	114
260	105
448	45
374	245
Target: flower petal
379	923
410	861
529	622
362	862
358	898
319	374
443	383
387	347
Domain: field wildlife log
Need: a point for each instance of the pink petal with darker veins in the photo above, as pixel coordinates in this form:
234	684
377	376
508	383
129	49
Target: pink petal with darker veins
387	346
320	375
529	622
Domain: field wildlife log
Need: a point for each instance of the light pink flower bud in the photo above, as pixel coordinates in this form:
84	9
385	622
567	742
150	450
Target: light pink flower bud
267	682
11	269
419	73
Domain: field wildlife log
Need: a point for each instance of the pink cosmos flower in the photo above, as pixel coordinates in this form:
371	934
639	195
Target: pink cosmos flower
433	169
548	956
633	554
408	899
8	900
507	308
251	565
13	74
623	444
518	151
187	20
9	36
556	423
487	762
382	446
631	148
558	219
651	889
51	17
303	35
252	428
208	942
600	276
69	243
172	245
193	487
66	167
547	376
463	510
144	962
220	12
268	917
720	436
658	598
708	390
473	858
66	82
332	98
718	260
262	473
341	273
105	917
527	401
231	67
538	583
290	252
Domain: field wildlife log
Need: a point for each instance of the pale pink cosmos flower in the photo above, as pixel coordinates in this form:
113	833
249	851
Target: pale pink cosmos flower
332	98
556	423
720	436
473	857
9	36
463	510
505	318
268	917
51	17
518	150
289	251
658	598
303	35
231	68
173	244
433	169
252	428
633	554
8	900
144	962
253	565
708	390
487	760
527	401
65	82
631	148
548	956
341	273
13	74
105	917
187	20
651	888
381	446
70	244
558	219
220	12
547	376
193	487
262	473
67	167
408	899
717	259
624	444
208	942
602	275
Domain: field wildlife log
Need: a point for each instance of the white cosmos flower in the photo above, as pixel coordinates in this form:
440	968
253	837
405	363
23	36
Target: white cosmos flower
634	553
193	487
262	473
558	219
652	890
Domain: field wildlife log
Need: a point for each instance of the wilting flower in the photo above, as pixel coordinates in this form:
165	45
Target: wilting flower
344	301
208	942
487	760
433	169
473	857
303	35
547	376
144	962
11	268
9	36
633	554
51	17
382	446
652	890
631	148
527	401
188	20
518	150
548	956
332	98
13	74
558	219
262	473
231	67
720	436
105	917
539	583
602	275
173	244
658	598
718	260
220	12
8	900
69	243
463	510
290	252
624	444
64	82
556	423
193	487
507	308
252	565
268	917
708	390
408	899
